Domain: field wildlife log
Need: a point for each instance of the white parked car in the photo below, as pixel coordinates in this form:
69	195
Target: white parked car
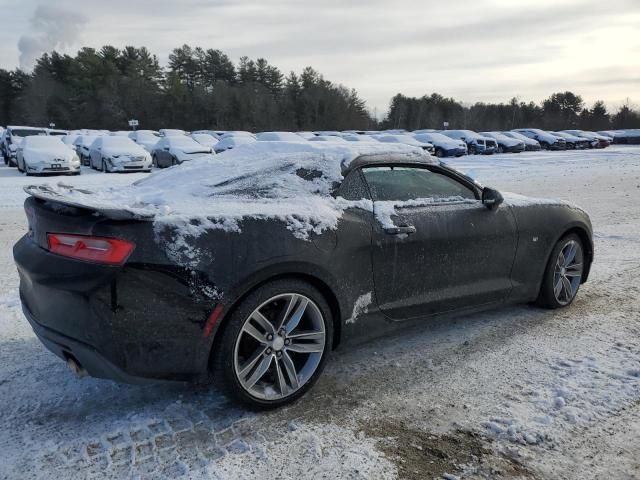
11	137
476	143
171	132
213	133
116	153
279	137
406	140
327	138
443	145
237	133
43	154
176	149
357	137
227	143
83	147
147	139
205	139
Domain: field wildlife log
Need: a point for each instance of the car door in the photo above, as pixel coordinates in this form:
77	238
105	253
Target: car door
436	247
95	153
163	153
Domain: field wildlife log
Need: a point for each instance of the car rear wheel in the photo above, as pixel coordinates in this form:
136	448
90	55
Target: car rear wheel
563	275
275	344
439	153
500	149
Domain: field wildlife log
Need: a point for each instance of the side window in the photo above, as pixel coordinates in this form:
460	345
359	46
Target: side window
410	183
353	187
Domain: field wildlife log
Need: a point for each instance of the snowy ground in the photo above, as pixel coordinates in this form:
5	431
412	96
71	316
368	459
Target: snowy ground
515	393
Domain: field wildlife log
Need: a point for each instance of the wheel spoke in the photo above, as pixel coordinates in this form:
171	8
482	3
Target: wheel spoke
261	320
284	314
290	368
558	288
306	335
567	288
306	347
257	355
561	260
259	372
254	332
572	248
282	384
293	322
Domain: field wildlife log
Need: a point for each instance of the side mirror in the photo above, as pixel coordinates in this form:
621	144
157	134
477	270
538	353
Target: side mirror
491	198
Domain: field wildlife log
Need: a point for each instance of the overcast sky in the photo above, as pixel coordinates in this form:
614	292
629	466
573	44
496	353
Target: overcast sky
473	50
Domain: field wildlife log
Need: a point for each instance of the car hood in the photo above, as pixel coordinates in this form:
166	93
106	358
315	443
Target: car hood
127	152
48	154
191	150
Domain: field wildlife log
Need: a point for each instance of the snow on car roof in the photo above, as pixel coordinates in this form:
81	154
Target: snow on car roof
291	182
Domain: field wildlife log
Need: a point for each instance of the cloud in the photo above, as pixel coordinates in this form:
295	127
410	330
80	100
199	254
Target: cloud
51	28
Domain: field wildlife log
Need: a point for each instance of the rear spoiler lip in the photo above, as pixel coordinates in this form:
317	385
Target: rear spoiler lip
46	193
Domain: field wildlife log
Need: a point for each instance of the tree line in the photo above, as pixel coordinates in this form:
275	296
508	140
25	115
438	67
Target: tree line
198	89
201	89
561	111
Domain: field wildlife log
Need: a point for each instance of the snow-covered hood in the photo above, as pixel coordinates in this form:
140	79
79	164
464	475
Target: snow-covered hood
292	182
132	151
49	154
191	149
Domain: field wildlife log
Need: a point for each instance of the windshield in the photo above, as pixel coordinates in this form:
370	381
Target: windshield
117	142
181	141
27	132
42	141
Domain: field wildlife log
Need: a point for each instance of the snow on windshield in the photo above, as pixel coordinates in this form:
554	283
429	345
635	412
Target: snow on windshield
42	141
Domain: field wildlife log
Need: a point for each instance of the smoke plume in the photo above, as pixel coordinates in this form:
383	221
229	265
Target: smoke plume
51	28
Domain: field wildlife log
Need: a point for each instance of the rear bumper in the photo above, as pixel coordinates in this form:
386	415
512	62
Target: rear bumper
84	355
126	323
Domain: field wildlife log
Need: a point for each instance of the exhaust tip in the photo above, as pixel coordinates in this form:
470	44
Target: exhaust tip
75	367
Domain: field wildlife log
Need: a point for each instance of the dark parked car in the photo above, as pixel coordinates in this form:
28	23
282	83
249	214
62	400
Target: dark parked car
377	240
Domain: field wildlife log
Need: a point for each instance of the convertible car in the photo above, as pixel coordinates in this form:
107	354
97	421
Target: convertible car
250	268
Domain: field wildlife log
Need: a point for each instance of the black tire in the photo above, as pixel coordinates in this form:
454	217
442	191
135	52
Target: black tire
439	152
173	161
500	149
103	167
546	296
222	363
154	161
19	168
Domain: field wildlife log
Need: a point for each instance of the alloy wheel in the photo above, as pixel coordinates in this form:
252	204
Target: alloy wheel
279	347
567	273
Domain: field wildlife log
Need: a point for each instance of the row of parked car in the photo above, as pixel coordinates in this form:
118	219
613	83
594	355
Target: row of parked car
39	151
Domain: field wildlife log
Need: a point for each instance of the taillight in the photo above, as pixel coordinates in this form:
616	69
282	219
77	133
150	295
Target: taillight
111	251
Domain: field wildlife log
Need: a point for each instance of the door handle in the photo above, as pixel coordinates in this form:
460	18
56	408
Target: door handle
402	229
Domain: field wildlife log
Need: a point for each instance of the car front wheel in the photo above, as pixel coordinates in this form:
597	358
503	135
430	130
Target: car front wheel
275	344
563	275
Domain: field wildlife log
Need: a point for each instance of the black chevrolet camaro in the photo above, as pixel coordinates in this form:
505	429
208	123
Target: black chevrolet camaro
261	309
